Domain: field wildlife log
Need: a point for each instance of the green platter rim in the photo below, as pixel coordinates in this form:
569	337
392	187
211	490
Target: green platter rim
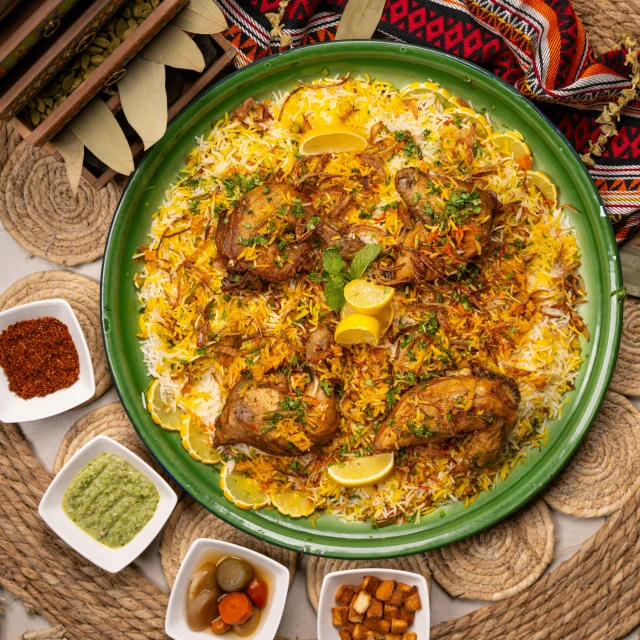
400	63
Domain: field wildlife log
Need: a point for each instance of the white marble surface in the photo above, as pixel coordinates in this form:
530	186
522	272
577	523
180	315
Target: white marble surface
299	619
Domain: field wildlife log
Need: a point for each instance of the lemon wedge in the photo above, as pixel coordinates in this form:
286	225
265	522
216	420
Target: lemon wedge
198	443
357	329
294	504
358	472
512	143
384	317
483	129
367	297
242	491
162	412
332	138
543	183
420	89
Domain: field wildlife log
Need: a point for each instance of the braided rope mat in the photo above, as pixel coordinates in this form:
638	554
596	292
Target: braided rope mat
318	568
626	375
39	210
83	295
9	140
501	561
604	20
605	471
595	595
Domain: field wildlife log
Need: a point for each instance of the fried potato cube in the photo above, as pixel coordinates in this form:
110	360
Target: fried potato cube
369	635
350	626
409	635
397	598
390	612
398	626
345	634
413	602
370	584
354	616
384	626
339	616
345	594
374	614
385	589
393	636
409	616
358	632
361	602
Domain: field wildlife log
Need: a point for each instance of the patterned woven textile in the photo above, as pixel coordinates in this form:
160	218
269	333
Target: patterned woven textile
539	46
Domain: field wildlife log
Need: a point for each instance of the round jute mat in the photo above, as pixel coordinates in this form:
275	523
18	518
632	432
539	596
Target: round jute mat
83	295
595	595
605	470
626	375
9	140
318	568
190	521
38	209
499	562
605	20
109	420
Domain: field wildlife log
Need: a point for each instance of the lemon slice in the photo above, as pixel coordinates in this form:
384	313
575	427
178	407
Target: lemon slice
357	329
483	129
242	491
384	317
161	412
332	138
512	143
543	183
367	297
294	504
420	89
358	472
198	443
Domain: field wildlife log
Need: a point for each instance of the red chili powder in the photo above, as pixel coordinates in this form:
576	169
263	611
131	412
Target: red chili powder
38	357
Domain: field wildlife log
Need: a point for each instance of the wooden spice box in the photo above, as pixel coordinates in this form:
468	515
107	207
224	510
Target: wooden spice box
190	91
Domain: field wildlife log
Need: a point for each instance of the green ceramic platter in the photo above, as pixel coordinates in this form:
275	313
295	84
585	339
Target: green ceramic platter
399	64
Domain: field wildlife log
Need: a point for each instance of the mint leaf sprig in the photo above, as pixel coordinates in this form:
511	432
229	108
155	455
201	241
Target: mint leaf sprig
336	276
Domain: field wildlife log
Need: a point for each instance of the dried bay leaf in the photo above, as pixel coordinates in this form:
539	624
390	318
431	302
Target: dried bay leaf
360	19
72	152
175	48
98	130
144	99
201	16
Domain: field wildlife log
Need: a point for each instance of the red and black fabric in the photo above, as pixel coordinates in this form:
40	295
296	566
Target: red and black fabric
538	46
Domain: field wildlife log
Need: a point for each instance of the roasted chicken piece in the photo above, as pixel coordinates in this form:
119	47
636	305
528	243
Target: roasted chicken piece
441	206
267	416
480	403
319	345
258	236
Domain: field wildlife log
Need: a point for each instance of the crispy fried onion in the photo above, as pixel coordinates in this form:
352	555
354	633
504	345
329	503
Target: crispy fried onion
251	107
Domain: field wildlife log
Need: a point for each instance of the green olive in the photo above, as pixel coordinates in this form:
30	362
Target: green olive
247	628
233	574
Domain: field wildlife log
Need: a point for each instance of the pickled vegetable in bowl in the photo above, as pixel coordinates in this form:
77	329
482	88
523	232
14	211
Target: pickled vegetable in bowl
226	595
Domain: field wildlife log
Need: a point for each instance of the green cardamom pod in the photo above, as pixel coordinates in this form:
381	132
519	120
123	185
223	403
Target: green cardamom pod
131	22
85	59
155	3
40	105
121	27
34	116
97	60
102	42
128	32
78	81
49	110
137	11
31	105
48	102
60	100
126	12
113	46
67	82
94	50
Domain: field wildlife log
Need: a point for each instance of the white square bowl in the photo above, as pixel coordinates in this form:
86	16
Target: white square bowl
15	409
111	560
277	575
354	577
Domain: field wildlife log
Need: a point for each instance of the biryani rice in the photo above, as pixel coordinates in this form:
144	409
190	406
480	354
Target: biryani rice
522	322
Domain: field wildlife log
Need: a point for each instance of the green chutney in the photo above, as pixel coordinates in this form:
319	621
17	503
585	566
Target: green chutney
111	500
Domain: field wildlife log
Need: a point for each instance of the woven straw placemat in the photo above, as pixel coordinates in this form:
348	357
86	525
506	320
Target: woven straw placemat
190	521
626	375
605	470
605	20
83	295
318	568
499	562
9	140
595	595
109	420
38	209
